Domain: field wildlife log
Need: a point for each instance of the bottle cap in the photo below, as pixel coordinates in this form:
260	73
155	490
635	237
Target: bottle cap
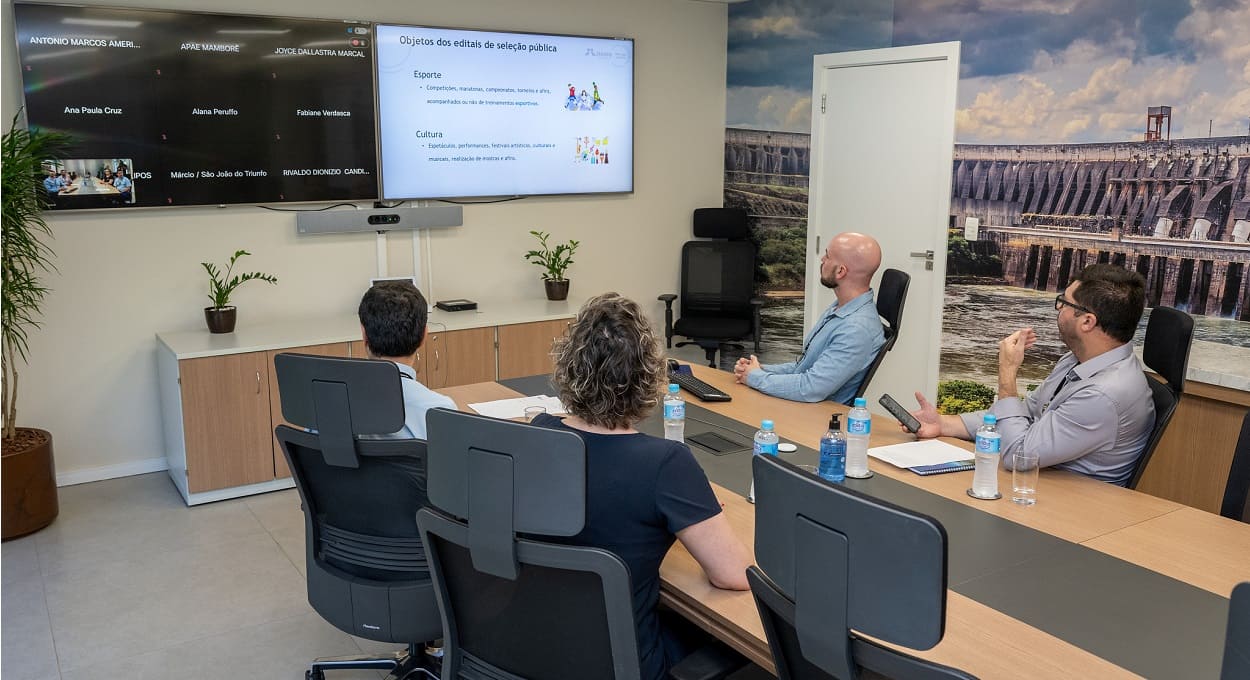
834	422
989	419
766	425
673	387
861	402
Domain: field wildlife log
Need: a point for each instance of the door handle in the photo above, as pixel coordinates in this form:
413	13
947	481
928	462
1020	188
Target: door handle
928	258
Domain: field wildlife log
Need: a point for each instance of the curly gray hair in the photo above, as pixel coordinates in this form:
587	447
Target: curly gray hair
609	366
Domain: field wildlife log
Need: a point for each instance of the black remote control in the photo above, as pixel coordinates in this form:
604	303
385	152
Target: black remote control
896	409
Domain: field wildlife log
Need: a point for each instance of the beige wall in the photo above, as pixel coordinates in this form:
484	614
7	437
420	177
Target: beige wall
126	276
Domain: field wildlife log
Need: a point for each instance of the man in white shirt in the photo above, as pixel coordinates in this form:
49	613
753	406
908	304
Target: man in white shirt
392	323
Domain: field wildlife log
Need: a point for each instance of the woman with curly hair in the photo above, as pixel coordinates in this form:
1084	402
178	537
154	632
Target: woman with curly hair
642	492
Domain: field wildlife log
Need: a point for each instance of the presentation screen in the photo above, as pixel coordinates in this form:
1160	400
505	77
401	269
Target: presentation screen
174	109
474	113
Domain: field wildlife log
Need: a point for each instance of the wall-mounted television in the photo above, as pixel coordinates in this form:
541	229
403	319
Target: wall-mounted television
466	113
200	109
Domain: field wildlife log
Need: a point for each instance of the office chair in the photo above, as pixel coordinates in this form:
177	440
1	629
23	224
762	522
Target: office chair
891	297
366	567
1237	640
517	605
718	303
832	560
1236	503
1169	334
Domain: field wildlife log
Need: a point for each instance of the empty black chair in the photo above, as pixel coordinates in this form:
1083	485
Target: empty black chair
891	296
1237	640
1236	503
718	303
832	560
366	567
1169	334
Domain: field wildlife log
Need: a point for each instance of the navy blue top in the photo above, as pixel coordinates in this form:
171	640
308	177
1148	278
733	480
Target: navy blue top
640	491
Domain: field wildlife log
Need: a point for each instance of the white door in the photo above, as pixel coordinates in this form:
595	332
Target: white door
883	137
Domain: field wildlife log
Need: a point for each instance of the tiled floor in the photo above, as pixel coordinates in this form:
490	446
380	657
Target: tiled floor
130	583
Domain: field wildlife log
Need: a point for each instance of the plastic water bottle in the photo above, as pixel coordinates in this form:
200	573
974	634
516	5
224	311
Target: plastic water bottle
765	445
833	452
674	414
988	453
858	429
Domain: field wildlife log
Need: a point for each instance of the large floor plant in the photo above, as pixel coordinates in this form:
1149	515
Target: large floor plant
27	257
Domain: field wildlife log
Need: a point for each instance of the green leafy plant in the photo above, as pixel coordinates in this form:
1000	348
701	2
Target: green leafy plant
27	256
961	396
555	260
220	286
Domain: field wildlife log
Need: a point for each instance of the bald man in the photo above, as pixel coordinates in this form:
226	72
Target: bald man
846	339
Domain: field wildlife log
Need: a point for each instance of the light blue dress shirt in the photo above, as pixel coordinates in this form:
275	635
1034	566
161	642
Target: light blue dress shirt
836	356
1096	422
417	400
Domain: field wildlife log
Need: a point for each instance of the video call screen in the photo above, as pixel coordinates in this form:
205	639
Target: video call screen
178	109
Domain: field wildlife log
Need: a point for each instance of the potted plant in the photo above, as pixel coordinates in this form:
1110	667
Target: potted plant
554	261
29	475
222	315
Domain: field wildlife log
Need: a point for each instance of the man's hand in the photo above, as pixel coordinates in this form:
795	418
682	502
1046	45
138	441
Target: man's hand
930	419
1010	356
745	366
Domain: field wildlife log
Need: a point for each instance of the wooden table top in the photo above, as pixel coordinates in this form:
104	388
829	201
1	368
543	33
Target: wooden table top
1188	545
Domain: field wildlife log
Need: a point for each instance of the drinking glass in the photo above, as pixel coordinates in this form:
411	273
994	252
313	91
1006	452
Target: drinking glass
532	412
1024	478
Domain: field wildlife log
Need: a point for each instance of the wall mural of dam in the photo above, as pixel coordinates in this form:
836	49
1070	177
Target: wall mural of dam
1177	212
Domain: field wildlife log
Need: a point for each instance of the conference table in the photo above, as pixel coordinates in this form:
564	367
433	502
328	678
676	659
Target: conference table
1094	581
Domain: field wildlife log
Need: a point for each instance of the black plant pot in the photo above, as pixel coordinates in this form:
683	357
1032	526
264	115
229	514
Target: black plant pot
220	319
557	290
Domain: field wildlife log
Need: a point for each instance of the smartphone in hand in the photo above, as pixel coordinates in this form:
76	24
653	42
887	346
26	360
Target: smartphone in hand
896	409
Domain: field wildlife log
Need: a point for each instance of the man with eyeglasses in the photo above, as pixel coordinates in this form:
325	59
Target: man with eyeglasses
1093	413
845	340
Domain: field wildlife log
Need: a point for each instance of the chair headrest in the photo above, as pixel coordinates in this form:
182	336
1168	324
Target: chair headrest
729	223
340	398
1165	349
505	478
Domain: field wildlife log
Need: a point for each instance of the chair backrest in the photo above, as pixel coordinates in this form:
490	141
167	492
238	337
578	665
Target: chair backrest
891	297
1236	503
366	566
515	600
777	613
814	539
1165	350
717	279
727	223
1237	640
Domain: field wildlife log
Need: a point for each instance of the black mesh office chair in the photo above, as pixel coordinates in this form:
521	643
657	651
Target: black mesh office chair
832	560
516	606
1236	503
1237	640
718	303
367	572
1169	334
891	296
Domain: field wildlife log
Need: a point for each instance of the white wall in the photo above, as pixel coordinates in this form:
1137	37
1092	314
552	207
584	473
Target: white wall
126	276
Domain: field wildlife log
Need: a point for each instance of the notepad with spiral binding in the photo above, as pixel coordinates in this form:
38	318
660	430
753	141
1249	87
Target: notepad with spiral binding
953	466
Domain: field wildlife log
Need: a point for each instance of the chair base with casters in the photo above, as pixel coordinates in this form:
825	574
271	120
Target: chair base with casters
402	665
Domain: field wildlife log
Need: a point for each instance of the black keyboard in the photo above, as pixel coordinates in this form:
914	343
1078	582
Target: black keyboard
698	388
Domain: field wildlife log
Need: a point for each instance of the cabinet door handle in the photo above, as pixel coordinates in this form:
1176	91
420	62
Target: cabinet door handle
257	382
435	360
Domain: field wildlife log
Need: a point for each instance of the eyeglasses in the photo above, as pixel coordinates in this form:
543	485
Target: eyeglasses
1060	301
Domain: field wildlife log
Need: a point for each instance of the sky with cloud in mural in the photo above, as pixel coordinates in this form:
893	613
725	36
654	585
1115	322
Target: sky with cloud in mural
1032	71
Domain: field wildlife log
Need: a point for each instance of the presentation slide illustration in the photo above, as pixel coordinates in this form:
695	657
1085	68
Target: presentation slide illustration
473	113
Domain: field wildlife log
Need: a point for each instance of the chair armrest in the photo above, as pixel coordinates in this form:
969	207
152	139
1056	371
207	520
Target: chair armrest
756	303
668	299
668	318
712	662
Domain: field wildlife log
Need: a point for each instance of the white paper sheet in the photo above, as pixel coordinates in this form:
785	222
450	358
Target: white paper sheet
515	408
926	452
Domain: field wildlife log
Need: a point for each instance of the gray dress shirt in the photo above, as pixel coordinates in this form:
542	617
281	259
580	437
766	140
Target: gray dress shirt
1093	418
